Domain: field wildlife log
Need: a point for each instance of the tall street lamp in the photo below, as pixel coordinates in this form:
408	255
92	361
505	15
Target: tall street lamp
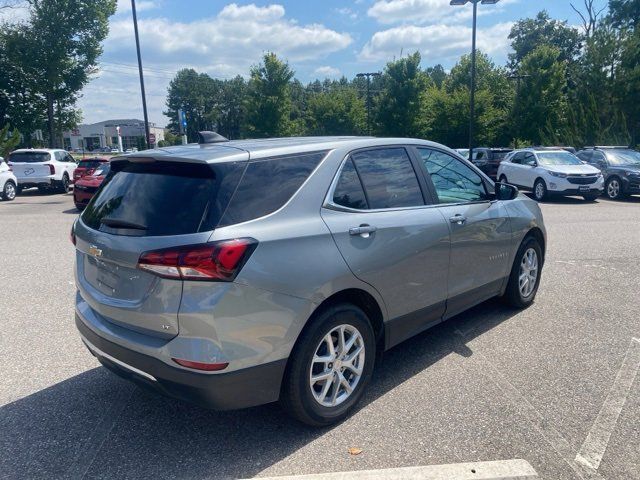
144	99
473	63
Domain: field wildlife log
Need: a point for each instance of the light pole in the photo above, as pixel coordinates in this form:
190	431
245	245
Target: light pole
472	106
368	76
144	99
518	78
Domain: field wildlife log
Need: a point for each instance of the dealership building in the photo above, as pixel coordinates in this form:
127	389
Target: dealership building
105	134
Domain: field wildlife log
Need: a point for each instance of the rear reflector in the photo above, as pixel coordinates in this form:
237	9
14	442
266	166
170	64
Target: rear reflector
209	367
218	261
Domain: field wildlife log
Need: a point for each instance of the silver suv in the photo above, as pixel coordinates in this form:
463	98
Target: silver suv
238	273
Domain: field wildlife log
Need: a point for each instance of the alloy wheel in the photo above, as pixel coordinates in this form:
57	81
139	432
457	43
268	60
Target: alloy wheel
9	191
539	190
337	365
528	274
613	188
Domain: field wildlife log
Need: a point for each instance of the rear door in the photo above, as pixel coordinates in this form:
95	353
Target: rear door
143	207
379	217
28	165
479	226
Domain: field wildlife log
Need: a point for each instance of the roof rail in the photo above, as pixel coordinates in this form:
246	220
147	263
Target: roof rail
206	137
605	147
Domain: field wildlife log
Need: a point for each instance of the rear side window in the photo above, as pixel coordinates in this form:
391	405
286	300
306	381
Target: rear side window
162	198
268	184
388	178
29	157
349	191
89	163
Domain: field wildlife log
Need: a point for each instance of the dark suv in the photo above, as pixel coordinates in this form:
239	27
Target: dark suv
620	167
488	159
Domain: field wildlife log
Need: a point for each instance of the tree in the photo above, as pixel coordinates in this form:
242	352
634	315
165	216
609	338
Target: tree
541	104
338	111
9	140
399	104
67	36
590	17
231	114
436	74
197	94
528	34
268	102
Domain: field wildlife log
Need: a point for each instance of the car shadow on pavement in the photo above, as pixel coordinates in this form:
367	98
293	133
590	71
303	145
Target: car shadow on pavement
96	425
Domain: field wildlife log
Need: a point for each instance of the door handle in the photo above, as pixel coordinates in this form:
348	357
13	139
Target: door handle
363	230
458	219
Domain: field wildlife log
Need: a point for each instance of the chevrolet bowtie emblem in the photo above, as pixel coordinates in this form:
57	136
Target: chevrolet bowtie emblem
95	251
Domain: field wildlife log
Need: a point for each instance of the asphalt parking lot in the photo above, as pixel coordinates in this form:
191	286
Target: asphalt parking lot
553	385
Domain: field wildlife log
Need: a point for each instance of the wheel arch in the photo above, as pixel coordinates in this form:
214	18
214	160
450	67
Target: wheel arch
536	233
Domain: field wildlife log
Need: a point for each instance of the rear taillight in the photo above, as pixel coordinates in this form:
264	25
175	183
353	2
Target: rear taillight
208	367
219	261
52	170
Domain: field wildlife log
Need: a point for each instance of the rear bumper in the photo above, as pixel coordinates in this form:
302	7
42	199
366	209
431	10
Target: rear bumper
34	181
221	391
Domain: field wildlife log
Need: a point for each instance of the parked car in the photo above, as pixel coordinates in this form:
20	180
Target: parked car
8	182
87	167
551	172
464	152
620	167
114	150
281	268
42	168
86	187
488	159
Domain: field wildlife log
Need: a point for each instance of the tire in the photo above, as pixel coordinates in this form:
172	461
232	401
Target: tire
514	295
9	191
64	184
79	207
299	394
613	189
540	190
591	197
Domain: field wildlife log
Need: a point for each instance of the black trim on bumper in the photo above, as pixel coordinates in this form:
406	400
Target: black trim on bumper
221	391
575	191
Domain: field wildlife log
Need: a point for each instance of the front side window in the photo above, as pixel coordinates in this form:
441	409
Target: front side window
349	191
454	181
388	178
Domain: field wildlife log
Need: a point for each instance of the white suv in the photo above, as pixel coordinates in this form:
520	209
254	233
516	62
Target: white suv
551	172
8	182
42	168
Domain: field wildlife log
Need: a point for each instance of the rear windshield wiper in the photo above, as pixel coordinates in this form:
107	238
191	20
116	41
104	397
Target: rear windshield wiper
115	223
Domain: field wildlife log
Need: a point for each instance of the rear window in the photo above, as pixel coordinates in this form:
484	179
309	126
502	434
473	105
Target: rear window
268	184
162	198
90	163
29	157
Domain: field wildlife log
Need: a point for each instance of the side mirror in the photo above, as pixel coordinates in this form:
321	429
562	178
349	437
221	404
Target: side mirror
504	191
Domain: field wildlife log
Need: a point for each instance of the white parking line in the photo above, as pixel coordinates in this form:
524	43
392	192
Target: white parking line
593	448
497	470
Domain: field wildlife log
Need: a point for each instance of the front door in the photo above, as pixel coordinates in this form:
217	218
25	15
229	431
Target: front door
479	227
390	238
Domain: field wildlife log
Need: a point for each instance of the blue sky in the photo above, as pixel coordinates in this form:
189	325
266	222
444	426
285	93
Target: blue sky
320	39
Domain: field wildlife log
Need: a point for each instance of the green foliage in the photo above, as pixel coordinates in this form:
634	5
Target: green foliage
50	58
338	111
268	102
9	140
529	33
398	111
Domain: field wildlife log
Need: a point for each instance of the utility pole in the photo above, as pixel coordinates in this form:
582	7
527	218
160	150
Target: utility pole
144	99
472	106
518	78
368	77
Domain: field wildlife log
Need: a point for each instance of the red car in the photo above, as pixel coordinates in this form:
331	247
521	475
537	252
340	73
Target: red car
86	187
87	167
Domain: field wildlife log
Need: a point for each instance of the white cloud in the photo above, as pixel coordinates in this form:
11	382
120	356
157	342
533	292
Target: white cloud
428	11
223	45
327	72
347	12
435	42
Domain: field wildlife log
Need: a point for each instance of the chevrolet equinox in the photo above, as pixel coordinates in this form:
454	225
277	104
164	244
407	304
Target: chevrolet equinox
236	273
